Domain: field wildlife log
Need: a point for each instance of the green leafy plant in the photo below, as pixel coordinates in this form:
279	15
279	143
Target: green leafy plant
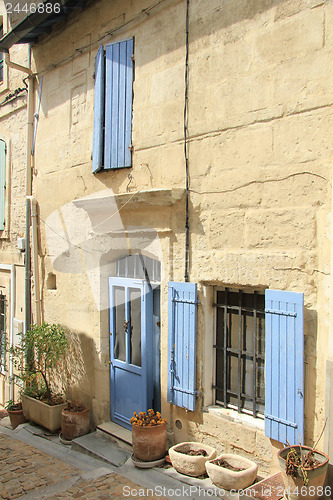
302	460
37	355
12	406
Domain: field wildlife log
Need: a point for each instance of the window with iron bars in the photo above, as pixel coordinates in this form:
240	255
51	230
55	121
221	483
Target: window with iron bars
240	351
2	333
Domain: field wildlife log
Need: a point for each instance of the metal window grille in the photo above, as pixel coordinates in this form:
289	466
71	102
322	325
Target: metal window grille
240	350
2	332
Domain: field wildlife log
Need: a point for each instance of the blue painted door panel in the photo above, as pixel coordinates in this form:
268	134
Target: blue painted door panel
284	366
182	317
131	348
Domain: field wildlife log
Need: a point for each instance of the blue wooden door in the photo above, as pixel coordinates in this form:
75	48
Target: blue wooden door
131	348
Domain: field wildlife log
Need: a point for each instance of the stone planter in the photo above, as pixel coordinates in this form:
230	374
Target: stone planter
232	480
187	464
74	424
294	486
149	443
42	414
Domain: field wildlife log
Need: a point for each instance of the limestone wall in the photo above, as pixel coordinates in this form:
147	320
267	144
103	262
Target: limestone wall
260	121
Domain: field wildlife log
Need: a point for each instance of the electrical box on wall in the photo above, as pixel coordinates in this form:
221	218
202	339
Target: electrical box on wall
21	244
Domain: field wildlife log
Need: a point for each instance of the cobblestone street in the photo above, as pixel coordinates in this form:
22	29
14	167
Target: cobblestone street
30	473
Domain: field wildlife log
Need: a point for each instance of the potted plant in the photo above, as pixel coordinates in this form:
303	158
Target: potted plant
15	413
36	356
304	471
75	420
189	458
149	435
231	471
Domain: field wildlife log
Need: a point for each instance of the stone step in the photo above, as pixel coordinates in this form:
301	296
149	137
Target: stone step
117	434
101	448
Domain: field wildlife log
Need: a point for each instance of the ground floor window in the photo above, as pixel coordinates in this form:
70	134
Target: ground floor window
2	333
240	350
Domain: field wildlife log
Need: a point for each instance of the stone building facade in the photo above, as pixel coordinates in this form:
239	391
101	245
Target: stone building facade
244	207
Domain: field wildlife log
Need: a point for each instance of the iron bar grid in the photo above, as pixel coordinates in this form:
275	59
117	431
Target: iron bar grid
240	367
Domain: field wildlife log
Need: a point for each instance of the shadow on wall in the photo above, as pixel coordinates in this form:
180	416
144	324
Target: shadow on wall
310	355
77	374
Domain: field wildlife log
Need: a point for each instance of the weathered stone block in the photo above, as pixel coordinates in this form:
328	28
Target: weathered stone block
292	38
225	229
300	138
280	228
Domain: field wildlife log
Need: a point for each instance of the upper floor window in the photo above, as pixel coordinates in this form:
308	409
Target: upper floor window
114	74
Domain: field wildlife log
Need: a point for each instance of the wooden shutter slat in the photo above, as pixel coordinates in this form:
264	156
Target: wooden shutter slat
182	314
128	103
284	366
115	105
118	104
98	134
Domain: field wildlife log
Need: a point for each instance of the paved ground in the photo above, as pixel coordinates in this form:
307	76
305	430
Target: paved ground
30	473
36	466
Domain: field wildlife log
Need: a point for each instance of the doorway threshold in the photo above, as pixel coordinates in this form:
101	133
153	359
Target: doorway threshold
115	432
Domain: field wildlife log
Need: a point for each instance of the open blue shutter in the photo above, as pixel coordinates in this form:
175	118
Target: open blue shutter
98	138
2	184
118	104
182	325
284	366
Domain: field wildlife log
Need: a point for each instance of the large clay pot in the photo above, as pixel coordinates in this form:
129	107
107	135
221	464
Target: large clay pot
149	443
229	479
294	486
16	417
74	424
187	464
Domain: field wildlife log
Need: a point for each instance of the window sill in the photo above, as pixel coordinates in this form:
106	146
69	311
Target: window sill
234	416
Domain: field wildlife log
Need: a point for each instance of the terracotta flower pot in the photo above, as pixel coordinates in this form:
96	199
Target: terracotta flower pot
230	479
16	418
149	442
75	423
294	486
187	464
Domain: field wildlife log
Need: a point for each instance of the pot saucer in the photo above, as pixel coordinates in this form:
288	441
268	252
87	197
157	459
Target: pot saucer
146	465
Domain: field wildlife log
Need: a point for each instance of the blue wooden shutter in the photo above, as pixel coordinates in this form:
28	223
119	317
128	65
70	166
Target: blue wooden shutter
182	326
284	370
2	184
98	138
118	104
2	332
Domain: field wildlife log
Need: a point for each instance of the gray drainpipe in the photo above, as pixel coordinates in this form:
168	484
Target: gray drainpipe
30	112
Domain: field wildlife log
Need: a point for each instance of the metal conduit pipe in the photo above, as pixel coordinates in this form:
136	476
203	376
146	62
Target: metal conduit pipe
33	206
29	165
